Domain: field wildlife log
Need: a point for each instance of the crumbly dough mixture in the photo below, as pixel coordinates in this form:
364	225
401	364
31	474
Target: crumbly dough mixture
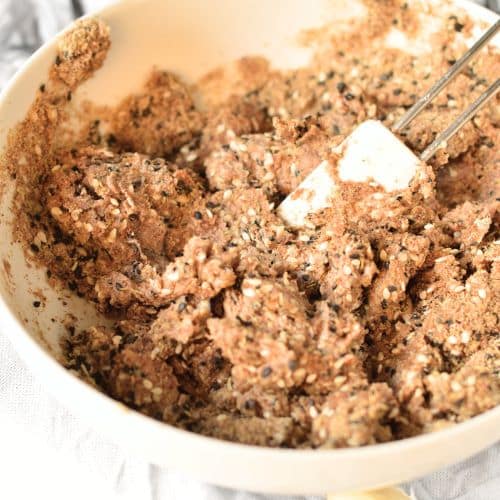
377	322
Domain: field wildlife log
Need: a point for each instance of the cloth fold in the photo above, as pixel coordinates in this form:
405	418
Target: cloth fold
49	453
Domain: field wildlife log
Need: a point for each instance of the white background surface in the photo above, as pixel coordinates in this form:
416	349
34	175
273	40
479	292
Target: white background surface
47	453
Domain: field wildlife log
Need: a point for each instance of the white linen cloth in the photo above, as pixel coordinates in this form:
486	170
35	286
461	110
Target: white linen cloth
46	452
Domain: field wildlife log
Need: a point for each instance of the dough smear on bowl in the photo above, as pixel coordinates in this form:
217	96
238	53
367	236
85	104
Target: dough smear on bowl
377	321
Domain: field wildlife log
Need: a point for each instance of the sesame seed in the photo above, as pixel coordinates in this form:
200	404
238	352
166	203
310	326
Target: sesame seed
268	159
422	358
482	293
403	257
173	276
248	292
347	270
313	412
341	86
55	212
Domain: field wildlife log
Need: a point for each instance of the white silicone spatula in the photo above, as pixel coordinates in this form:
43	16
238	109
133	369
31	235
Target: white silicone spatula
373	153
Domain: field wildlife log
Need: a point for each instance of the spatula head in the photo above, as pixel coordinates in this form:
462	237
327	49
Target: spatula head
372	153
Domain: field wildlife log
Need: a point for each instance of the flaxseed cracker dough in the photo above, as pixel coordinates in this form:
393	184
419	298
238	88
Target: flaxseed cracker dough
378	321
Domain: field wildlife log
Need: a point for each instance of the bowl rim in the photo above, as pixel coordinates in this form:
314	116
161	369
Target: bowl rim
32	353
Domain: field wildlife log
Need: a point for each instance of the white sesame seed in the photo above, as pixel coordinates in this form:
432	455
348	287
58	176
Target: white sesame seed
313	412
248	292
422	358
56	212
268	159
173	276
465	336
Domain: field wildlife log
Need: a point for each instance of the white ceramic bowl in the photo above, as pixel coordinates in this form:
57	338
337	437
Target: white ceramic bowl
191	37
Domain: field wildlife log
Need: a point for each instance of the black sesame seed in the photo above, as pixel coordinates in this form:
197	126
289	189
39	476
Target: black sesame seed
198	216
397	91
458	27
58	60
181	307
266	371
42	87
218	362
36	303
250	404
341	86
34	248
349	96
292	364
